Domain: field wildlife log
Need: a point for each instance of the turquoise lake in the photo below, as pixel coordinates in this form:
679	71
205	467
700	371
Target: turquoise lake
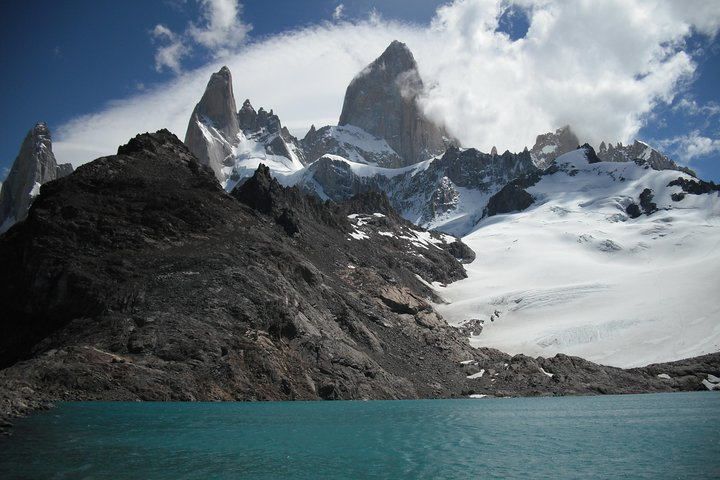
634	436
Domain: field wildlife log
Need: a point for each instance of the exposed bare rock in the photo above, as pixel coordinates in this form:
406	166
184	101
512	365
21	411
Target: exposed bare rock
642	154
213	128
551	145
383	101
34	166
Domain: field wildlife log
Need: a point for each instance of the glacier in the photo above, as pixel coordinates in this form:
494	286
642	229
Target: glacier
575	274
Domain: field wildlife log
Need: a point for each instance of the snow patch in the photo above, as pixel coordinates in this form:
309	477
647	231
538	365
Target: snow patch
477	375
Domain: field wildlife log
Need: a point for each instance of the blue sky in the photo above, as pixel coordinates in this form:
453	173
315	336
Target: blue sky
498	73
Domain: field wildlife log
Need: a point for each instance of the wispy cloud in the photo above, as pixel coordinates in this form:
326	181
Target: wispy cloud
602	67
220	32
338	12
692	107
692	146
171	53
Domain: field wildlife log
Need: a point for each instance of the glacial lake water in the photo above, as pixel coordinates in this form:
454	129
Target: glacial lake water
634	436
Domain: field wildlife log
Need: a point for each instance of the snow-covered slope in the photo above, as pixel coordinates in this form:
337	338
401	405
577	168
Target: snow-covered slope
350	142
574	273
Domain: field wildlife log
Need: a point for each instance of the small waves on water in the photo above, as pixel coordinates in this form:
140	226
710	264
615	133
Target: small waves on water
637	436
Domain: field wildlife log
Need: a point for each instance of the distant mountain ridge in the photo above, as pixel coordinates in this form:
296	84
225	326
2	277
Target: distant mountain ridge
384	142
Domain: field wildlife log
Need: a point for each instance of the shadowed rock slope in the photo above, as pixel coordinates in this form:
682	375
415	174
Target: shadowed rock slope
138	277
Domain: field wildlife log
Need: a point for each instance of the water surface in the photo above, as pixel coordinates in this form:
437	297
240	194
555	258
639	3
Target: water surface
633	436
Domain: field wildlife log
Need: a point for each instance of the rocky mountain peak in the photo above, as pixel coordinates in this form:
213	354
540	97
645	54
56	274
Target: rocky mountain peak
34	166
247	117
383	100
218	103
213	128
549	146
395	60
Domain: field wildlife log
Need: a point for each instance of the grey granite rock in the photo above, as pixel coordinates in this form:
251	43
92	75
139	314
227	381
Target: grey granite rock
34	166
383	100
213	127
551	145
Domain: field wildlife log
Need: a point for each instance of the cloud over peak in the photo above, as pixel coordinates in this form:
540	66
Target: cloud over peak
602	67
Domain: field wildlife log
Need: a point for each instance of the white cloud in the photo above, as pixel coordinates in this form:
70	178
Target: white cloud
172	52
601	67
692	107
338	12
221	32
692	146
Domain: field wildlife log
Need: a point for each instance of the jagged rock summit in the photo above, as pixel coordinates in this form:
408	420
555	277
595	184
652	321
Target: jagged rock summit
233	143
549	146
383	101
34	166
213	128
640	153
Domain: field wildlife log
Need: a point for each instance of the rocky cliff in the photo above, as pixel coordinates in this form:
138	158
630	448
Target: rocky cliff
213	127
34	166
383	100
233	142
549	146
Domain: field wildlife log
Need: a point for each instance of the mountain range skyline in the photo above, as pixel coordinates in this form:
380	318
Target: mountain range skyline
657	89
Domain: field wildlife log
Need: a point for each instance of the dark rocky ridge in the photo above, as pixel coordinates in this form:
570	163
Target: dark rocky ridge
139	278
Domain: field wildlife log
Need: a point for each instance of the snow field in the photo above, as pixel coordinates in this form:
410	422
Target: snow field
572	274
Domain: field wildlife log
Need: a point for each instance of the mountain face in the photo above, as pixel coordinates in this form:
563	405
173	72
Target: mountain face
34	166
551	145
213	128
448	193
264	140
352	143
383	101
151	282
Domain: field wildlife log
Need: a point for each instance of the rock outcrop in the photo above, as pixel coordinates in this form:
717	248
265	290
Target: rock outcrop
34	166
551	145
383	100
213	128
